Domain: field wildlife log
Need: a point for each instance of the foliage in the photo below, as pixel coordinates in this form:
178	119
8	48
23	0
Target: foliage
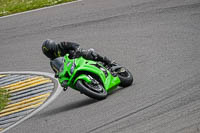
14	6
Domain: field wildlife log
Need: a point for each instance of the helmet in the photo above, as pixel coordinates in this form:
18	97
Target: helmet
48	48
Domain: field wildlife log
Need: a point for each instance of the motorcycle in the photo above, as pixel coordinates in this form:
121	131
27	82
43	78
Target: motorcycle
91	78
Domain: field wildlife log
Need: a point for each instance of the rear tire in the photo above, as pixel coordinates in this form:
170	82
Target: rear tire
88	90
126	78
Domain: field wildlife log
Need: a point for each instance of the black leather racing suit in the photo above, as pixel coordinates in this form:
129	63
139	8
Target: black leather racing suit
53	51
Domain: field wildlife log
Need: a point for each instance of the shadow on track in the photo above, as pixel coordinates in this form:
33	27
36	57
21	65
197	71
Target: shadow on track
116	90
71	106
76	104
119	89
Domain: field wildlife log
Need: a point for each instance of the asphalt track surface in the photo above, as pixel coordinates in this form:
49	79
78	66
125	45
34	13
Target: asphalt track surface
157	40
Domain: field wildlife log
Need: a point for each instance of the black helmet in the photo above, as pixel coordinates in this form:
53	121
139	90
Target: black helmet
48	48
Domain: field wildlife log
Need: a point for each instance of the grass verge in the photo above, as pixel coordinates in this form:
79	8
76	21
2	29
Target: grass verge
8	7
3	98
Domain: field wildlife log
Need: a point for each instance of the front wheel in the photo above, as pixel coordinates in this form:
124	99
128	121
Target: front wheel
95	91
125	77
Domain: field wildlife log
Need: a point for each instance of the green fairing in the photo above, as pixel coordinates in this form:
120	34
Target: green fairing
82	65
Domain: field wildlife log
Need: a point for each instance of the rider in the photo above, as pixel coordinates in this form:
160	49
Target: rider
53	50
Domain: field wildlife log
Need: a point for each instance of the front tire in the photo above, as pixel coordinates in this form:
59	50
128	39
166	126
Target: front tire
97	91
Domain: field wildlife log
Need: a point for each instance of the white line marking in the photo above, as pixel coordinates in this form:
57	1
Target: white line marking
35	10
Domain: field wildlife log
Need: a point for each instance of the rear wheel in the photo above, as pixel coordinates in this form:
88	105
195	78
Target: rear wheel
92	90
125	77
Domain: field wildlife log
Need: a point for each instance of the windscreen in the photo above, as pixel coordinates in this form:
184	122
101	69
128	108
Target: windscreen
57	64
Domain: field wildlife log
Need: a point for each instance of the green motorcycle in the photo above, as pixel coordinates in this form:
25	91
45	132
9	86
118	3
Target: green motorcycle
91	78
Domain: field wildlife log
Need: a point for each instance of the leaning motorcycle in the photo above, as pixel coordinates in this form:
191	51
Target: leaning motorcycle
91	78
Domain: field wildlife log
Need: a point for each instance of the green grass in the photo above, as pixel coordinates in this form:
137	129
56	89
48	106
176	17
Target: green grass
8	7
3	98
